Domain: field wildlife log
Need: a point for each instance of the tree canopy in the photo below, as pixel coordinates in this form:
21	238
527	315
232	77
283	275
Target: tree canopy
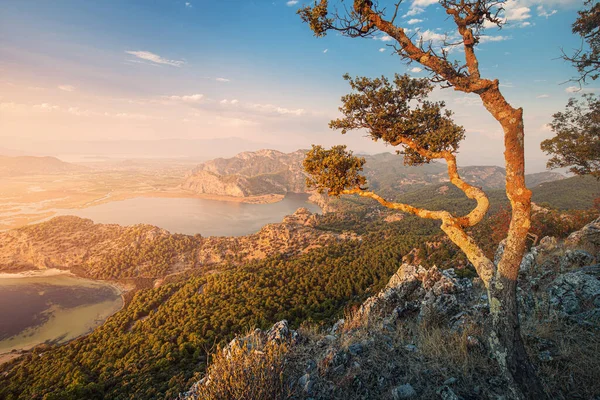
587	25
577	141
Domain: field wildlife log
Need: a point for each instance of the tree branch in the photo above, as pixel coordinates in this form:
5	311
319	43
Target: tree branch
472	192
450	225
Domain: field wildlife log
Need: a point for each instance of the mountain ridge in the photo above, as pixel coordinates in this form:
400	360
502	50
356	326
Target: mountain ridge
267	171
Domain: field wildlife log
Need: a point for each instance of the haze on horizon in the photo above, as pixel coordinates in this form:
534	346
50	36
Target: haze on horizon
198	78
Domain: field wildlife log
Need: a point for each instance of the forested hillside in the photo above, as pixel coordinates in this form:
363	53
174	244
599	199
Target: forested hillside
147	352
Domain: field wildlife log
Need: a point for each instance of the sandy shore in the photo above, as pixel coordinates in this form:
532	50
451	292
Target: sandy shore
266	199
120	288
38	273
4	358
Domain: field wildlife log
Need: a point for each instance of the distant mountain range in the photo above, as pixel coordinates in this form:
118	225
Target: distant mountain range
273	172
29	165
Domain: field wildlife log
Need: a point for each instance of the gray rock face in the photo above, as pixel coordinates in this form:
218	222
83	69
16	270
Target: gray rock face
431	292
446	393
589	233
249	174
279	332
405	391
575	292
575	259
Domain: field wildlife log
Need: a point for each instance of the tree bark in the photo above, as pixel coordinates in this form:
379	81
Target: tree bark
506	343
505	339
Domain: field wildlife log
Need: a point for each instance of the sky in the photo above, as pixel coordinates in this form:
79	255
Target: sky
250	72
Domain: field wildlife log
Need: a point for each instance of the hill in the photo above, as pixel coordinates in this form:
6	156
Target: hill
422	337
160	342
578	192
249	174
30	165
273	172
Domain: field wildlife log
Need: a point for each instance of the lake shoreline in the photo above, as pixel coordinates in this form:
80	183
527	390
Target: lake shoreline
119	288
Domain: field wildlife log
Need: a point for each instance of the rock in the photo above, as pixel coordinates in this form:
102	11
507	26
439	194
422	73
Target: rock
337	327
411	347
589	233
528	261
450	381
572	291
311	366
405	391
575	259
279	332
249	173
548	243
545	356
355	349
473	343
301	217
306	383
446	393
394	217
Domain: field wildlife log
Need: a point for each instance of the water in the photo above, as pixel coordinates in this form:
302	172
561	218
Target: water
52	309
191	216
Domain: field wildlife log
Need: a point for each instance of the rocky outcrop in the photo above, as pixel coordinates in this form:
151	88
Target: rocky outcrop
249	174
211	183
255	342
296	234
97	250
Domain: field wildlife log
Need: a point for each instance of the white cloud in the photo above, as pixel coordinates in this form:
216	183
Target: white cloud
543	96
486	39
46	107
413	11
67	88
384	38
291	3
416	70
272	109
430	35
414	21
381	50
515	11
417	7
543	13
231	102
325	51
192	98
423	3
572	89
222	80
188	5
154	58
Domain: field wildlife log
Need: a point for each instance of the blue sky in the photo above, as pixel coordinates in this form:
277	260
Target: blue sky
145	70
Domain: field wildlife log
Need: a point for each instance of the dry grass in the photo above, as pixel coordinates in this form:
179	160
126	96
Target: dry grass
250	371
574	371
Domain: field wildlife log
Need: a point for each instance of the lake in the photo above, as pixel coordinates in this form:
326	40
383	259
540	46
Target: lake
191	216
52	309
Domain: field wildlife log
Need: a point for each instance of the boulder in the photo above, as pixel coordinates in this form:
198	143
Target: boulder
575	292
588	234
405	391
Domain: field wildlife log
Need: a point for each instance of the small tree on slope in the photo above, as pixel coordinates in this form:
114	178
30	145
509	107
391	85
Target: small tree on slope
400	114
